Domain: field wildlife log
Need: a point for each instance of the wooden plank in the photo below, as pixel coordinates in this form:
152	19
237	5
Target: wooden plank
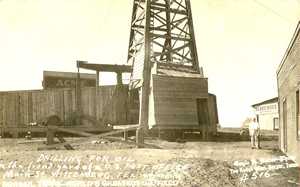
181	94
89	135
17	110
59	104
52	103
30	108
38	106
188	108
23	105
104	67
123	127
41	105
99	103
122	105
83	102
96	95
159	103
176	120
2	112
177	126
179	87
10	110
92	105
163	79
34	107
71	131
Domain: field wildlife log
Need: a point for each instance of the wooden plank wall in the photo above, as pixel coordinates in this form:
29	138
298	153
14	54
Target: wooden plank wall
180	87
20	108
174	112
175	101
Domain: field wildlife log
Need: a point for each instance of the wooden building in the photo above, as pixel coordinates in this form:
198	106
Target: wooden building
267	114
181	102
289	103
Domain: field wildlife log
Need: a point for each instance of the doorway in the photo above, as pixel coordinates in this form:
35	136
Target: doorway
284	118
202	110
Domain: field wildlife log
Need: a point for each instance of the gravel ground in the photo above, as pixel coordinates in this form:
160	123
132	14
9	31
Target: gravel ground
186	164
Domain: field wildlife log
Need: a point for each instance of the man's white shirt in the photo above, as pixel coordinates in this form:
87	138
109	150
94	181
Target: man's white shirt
253	126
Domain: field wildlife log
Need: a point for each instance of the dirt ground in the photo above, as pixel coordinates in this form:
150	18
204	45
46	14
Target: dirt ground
187	163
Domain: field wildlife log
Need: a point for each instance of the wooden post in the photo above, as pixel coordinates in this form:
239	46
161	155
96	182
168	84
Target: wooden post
193	42
78	95
204	132
50	136
159	136
30	108
4	123
168	42
119	78
18	112
145	89
1	131
96	95
125	135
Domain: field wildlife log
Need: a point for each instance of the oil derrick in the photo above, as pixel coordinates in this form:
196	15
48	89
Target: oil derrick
162	50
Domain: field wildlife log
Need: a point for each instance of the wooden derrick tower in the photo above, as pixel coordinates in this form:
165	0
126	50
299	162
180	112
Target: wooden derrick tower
162	50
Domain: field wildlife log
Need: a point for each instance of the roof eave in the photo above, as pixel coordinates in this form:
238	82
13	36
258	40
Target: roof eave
295	35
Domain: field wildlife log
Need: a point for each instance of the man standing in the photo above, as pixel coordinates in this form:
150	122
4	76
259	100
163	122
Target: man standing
254	133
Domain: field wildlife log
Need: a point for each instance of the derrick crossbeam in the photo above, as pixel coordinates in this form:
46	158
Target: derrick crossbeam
171	34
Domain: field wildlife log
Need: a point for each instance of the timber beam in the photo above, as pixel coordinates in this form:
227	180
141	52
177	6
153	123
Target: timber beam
104	67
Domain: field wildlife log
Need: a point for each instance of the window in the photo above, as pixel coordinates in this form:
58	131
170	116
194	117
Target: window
297	115
275	123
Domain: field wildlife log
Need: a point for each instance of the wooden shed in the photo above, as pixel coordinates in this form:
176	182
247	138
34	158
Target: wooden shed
289	102
182	103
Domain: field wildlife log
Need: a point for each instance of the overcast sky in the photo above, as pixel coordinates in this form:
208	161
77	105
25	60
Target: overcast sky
240	43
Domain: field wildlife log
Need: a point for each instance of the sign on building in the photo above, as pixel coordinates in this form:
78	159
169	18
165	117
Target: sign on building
267	114
53	79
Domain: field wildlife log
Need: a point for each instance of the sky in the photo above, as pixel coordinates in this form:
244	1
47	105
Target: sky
240	44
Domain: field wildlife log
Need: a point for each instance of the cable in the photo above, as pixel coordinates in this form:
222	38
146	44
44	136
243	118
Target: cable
273	11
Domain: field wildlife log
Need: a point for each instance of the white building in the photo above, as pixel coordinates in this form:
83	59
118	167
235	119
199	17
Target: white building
267	114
